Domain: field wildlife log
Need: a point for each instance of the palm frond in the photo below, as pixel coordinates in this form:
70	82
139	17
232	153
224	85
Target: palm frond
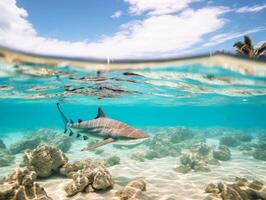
240	53
261	49
238	45
248	41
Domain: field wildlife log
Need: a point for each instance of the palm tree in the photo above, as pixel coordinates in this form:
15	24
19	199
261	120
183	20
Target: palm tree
247	48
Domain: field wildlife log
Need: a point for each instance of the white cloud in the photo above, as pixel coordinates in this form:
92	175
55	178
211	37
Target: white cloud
221	38
248	9
156	35
13	19
117	14
157	7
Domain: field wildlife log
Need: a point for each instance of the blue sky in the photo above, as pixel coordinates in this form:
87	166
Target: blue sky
129	28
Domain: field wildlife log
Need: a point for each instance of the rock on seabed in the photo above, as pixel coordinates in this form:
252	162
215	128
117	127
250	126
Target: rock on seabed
45	159
132	191
20	185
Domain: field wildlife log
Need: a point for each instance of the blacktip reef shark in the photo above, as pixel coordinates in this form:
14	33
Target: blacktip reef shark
110	130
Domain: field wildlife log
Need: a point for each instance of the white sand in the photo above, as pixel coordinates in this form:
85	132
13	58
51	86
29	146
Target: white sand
162	181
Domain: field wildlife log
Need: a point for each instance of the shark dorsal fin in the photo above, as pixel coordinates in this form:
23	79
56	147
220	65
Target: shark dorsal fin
100	113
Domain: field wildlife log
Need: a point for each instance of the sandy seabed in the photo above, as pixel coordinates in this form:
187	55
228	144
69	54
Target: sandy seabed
163	182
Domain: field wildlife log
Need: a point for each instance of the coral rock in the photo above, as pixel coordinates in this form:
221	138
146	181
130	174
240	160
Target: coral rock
161	146
222	153
69	169
138	156
21	176
132	191
99	151
244	137
79	183
183	169
42	136
28	143
45	159
260	151
229	140
242	189
2	144
101	177
7	191
90	179
181	133
6	158
192	161
111	161
201	148
20	185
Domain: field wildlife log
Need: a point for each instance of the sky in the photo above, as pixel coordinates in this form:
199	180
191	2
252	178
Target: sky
119	29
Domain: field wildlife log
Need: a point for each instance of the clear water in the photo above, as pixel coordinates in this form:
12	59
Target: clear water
209	100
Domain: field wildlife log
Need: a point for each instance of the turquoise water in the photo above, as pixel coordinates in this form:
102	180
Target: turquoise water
19	116
211	101
196	95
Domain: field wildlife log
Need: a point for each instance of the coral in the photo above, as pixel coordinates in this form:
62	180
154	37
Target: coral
138	156
49	136
62	142
212	161
183	169
132	191
111	161
215	132
181	133
89	180
260	151
242	189
222	153
69	169
2	144
22	175
244	137
42	136
262	136
192	161
101	178
27	143
150	154
245	147
188	143
158	140
45	159
197	159
161	146
229	140
201	148
20	185
79	183
99	151
6	158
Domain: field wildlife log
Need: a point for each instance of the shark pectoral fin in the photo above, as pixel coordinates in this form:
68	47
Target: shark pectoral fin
94	146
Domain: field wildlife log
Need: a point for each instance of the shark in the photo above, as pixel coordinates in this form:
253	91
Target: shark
107	129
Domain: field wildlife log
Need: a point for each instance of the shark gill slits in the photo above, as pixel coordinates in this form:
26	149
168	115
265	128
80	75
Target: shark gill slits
65	130
85	138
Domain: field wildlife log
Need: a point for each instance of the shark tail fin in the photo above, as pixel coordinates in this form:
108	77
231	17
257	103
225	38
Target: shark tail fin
64	118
